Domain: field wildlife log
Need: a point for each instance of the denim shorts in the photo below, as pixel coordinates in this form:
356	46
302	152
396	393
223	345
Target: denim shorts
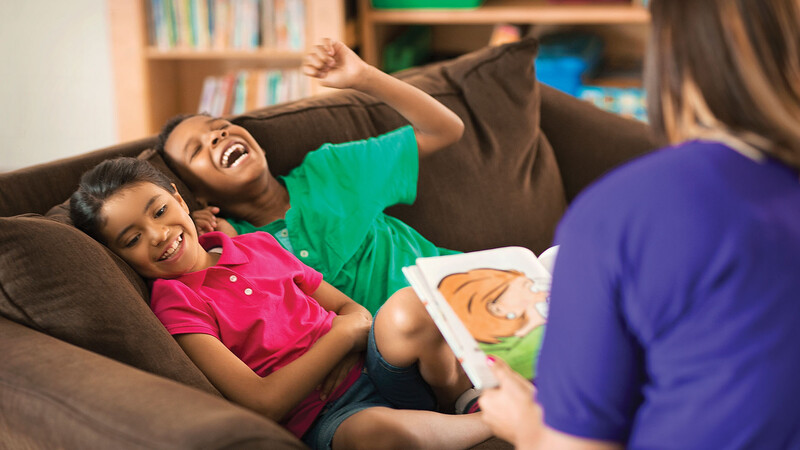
380	384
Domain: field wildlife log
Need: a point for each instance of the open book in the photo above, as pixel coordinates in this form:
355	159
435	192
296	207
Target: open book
488	302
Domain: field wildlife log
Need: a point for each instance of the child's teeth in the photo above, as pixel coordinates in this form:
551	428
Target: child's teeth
172	248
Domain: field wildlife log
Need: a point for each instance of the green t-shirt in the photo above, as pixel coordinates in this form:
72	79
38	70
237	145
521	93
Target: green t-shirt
336	222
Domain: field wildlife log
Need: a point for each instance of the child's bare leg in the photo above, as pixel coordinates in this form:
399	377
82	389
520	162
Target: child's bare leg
405	334
380	427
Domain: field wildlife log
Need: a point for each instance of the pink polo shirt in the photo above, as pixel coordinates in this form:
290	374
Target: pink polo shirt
257	301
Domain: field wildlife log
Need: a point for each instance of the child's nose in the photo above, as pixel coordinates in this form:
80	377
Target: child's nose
159	235
217	136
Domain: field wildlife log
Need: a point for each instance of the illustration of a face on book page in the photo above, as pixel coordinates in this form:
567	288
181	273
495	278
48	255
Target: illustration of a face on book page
495	303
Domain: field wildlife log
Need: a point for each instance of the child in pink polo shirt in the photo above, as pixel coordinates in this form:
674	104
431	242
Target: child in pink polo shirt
270	334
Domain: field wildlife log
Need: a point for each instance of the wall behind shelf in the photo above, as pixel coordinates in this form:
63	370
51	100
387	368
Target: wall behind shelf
56	98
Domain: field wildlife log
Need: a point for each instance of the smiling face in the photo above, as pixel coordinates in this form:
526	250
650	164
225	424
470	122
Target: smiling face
152	231
216	158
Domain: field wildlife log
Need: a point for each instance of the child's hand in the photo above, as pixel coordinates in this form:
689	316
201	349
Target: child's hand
205	220
335	65
354	328
338	374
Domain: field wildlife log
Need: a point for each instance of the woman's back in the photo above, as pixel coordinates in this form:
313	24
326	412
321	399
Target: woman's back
689	253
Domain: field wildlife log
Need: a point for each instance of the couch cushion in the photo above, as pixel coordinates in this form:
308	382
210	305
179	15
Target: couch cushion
60	212
57	280
499	185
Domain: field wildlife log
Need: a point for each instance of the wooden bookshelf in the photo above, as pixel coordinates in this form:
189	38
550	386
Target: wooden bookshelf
152	85
376	23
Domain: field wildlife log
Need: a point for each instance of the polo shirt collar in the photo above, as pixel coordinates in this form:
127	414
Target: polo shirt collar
231	255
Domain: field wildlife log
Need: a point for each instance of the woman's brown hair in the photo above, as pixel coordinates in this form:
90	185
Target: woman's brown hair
730	67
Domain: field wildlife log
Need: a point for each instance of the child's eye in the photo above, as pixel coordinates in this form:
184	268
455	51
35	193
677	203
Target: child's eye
161	211
132	242
195	152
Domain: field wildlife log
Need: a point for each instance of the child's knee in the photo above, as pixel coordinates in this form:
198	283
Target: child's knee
404	313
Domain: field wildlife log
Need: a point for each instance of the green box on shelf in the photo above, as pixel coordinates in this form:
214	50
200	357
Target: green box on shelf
400	4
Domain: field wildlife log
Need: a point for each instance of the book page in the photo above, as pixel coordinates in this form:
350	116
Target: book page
487	302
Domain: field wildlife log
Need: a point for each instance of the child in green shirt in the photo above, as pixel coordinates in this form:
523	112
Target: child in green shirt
329	210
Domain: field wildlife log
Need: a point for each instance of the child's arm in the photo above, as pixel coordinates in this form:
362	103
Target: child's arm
435	125
335	300
279	392
206	220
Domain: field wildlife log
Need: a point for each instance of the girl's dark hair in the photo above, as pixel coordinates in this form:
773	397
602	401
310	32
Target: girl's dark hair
729	66
168	128
105	180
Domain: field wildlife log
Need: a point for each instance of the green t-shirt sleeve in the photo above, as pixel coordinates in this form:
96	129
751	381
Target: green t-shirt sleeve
339	192
360	178
373	173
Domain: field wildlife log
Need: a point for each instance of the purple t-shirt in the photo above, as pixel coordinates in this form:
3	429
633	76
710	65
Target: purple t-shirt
257	301
675	305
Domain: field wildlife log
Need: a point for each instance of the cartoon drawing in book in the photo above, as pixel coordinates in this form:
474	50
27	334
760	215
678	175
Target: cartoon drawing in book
489	302
503	310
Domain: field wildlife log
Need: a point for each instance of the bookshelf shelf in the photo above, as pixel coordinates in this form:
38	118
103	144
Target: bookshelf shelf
263	54
375	23
153	84
517	11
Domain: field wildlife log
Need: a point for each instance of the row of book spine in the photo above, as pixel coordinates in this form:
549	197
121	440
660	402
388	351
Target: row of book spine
227	24
246	90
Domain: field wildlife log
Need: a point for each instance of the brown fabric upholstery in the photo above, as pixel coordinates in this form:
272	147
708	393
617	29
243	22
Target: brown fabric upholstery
61	282
38	188
50	400
589	142
499	185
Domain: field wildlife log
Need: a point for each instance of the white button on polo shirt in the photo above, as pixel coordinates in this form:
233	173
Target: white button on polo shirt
303	253
233	278
248	291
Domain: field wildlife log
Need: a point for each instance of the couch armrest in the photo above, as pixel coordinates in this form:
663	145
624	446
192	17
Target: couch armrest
36	189
588	141
56	395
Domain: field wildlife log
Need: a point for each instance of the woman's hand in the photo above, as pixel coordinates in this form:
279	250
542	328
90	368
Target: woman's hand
338	374
510	409
335	65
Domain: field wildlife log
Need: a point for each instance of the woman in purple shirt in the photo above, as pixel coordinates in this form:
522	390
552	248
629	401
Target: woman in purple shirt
673	321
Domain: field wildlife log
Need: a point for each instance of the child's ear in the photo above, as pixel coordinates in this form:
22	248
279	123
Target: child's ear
179	198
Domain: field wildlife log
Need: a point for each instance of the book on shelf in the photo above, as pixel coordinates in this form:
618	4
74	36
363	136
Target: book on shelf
227	24
245	90
489	302
283	24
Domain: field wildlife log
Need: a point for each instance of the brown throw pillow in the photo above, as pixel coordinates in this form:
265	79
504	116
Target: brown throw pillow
499	185
59	281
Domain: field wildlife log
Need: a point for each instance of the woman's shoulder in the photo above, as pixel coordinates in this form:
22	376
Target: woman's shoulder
668	171
680	184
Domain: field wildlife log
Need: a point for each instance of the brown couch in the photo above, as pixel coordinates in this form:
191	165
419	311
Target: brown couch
86	365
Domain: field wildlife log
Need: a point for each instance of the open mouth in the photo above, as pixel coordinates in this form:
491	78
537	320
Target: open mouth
172	248
233	155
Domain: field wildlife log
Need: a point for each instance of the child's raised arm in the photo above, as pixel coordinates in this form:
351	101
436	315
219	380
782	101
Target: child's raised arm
435	125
